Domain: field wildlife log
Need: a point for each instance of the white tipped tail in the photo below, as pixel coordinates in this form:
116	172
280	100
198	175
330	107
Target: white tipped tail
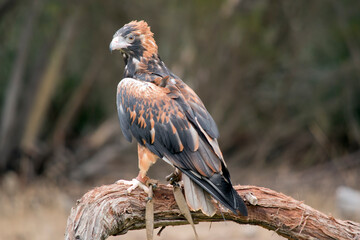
197	198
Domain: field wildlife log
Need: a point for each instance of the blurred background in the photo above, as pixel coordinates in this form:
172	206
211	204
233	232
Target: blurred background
281	79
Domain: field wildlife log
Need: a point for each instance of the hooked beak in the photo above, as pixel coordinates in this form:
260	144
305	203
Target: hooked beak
118	43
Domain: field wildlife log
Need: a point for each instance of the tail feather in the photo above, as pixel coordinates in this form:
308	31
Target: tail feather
197	198
220	189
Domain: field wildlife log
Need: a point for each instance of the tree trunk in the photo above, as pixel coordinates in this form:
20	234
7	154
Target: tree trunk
48	84
13	93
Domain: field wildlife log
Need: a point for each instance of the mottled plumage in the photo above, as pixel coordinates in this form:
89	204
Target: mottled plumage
169	121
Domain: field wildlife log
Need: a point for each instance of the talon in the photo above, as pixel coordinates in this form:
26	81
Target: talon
145	188
123	182
151	182
134	184
174	177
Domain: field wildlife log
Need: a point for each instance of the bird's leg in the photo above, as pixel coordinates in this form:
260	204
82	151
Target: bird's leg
174	177
146	159
139	181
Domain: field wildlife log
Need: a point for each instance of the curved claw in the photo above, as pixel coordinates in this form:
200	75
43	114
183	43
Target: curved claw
134	184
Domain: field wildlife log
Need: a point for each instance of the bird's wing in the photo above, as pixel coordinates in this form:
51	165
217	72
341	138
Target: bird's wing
203	117
173	123
158	119
199	116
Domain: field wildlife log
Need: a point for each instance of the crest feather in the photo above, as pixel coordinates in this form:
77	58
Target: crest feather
141	28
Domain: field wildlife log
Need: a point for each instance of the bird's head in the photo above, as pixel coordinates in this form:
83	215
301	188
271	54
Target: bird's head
135	40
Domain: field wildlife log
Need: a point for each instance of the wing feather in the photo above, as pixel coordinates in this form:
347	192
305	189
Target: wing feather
173	123
151	116
198	109
124	123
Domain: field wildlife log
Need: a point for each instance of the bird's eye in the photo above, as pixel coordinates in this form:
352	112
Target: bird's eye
130	38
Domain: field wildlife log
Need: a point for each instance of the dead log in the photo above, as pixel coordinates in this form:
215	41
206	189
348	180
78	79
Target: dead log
109	210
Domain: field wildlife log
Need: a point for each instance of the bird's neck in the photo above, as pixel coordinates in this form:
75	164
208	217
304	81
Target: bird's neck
146	69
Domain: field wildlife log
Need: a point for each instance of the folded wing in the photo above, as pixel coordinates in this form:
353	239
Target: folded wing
173	123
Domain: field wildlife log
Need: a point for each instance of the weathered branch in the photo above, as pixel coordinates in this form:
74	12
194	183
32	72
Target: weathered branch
108	210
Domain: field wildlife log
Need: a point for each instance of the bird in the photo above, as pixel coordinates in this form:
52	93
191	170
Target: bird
170	122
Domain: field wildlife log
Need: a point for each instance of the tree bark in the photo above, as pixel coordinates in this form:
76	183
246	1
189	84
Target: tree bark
109	210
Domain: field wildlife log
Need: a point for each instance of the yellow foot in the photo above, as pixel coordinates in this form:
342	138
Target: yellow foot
134	184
